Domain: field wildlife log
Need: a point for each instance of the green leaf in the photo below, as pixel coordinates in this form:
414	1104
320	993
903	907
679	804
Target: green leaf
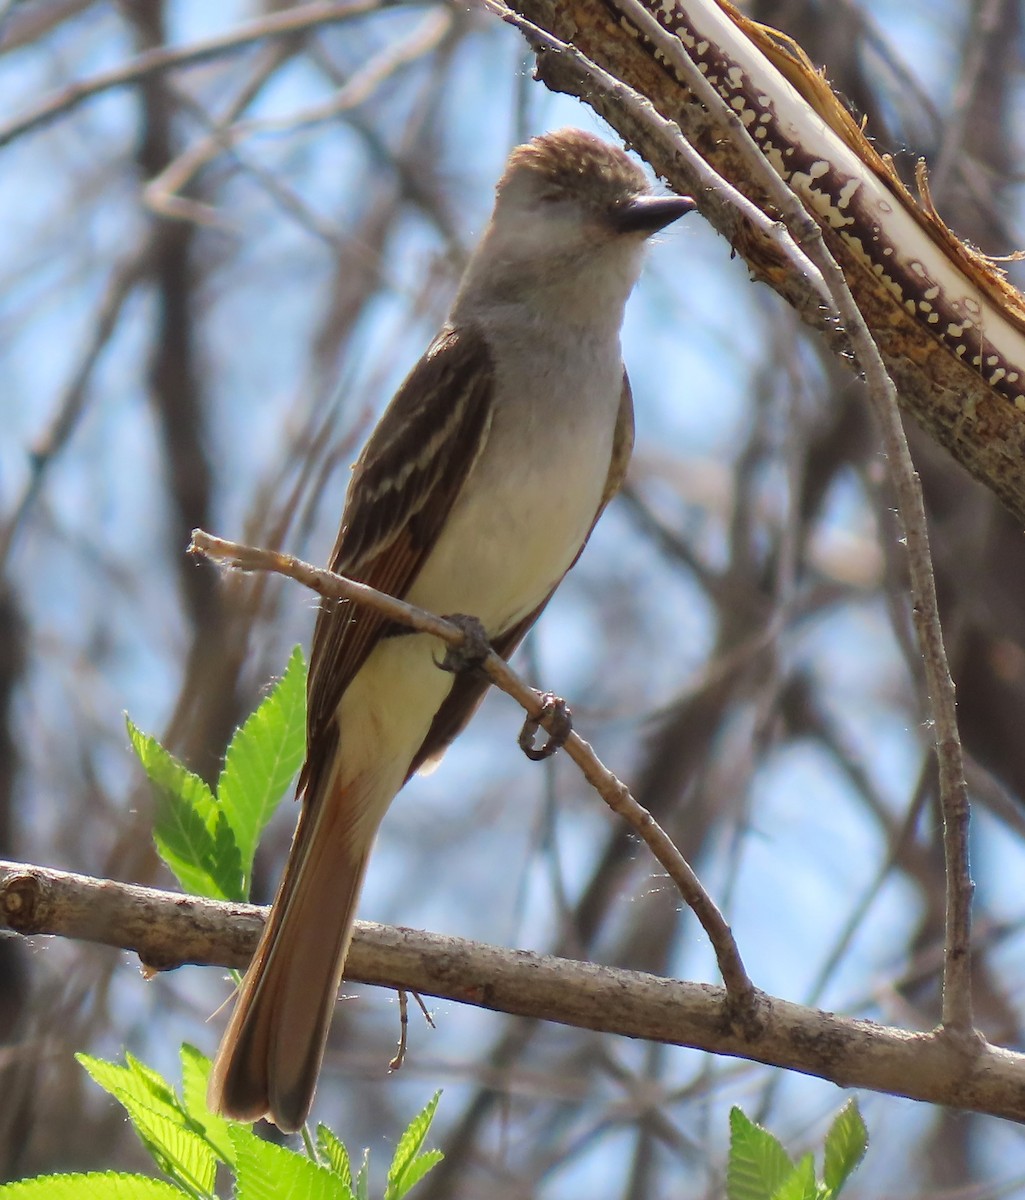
263	757
418	1168
129	1086
757	1164
801	1184
363	1178
173	1140
406	1167
181	1153
268	1172
195	1076
96	1185
334	1152
225	863
185	816
846	1144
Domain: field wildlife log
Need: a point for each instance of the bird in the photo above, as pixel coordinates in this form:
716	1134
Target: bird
475	494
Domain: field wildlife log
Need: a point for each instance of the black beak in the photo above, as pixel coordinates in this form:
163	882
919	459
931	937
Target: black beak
649	214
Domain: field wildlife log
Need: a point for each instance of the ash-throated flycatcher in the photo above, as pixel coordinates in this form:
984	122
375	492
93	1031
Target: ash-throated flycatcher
475	494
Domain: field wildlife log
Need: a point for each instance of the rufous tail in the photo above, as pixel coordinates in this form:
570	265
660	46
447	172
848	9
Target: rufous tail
269	1058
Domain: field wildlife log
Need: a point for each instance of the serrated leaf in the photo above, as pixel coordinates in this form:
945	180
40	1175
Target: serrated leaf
225	866
95	1185
268	1172
334	1152
180	1152
152	1081
417	1169
405	1157
757	1163
164	1128
185	816
362	1188
264	755
128	1085
846	1143
801	1183
195	1076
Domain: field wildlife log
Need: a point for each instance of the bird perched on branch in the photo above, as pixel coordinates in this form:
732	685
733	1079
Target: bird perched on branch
475	494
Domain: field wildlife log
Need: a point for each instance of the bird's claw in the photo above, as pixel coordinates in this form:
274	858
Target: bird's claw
474	649
555	714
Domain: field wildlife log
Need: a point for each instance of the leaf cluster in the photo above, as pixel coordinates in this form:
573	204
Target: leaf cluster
208	837
760	1169
191	1145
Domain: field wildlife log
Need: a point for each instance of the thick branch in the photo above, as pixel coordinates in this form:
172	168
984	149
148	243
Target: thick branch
167	929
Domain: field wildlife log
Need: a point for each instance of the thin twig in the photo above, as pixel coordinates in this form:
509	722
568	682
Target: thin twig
807	235
615	794
398	1061
164	58
164	192
120	287
400	1053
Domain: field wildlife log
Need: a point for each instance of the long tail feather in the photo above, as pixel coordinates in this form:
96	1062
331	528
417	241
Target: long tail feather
270	1055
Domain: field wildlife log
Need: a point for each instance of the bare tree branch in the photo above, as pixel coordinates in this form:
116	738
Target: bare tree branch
167	929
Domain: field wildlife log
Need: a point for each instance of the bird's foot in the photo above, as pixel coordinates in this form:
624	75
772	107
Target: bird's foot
558	721
474	649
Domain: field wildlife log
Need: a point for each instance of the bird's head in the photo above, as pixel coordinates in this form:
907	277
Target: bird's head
570	207
572	184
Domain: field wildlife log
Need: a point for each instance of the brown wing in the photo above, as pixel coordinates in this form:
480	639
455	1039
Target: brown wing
402	490
469	689
622	450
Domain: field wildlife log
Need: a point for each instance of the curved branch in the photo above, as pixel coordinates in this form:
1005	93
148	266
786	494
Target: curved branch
615	794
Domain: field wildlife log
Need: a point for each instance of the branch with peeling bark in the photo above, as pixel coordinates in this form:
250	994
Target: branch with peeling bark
167	929
950	329
951	396
807	233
